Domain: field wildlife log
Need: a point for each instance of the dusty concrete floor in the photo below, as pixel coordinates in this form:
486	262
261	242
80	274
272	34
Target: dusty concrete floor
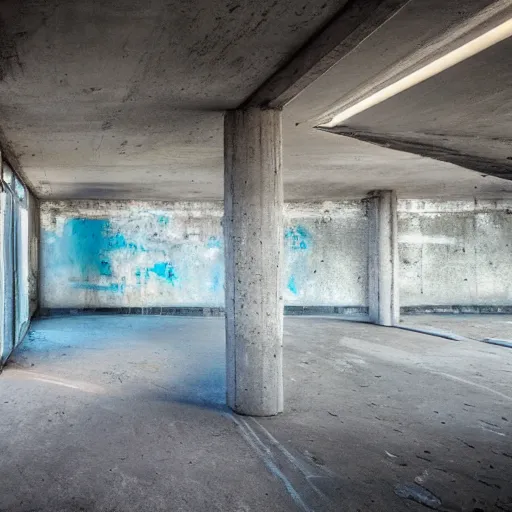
476	327
126	414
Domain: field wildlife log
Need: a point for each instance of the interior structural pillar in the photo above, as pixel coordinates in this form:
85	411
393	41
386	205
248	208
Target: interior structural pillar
253	234
384	307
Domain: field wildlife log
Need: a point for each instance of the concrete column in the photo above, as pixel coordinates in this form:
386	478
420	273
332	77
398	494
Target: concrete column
384	307
253	234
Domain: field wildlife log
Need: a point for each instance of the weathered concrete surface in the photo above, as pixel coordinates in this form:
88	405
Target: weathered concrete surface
325	254
125	413
344	32
383	275
96	99
144	431
131	254
445	249
476	327
408	39
253	237
455	252
122	102
459	116
321	165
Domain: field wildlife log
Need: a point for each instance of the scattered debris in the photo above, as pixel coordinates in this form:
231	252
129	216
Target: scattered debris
467	444
493	431
489	423
418	494
332	414
421	479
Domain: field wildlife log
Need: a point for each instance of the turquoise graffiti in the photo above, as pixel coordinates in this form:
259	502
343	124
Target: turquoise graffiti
88	243
165	270
298	238
86	248
292	285
297	244
214	243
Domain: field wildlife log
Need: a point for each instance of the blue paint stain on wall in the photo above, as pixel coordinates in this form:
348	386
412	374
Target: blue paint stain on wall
298	243
292	285
166	271
97	255
134	248
116	241
217	277
113	287
214	243
298	238
86	246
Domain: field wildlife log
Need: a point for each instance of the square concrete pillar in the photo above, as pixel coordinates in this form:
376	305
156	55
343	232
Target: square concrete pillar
253	233
384	307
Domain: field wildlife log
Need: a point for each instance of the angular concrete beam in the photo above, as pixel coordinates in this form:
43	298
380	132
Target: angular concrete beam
353	24
452	38
430	146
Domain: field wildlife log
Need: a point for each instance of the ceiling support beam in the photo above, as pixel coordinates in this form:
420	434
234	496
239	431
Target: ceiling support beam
357	20
423	145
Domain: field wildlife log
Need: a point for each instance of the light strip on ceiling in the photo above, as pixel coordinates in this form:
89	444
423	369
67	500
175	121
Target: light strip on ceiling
452	58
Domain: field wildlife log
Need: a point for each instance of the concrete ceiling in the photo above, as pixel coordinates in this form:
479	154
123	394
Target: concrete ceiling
124	99
463	115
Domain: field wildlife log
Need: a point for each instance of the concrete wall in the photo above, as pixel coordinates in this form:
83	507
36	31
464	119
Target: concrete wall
140	254
150	254
455	252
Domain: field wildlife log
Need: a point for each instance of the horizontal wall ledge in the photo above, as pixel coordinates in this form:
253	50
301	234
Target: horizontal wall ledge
458	310
198	311
350	311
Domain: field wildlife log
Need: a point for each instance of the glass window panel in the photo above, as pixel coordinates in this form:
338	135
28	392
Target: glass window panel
8	174
19	189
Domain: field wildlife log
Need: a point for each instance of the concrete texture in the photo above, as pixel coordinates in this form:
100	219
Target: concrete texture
122	102
117	100
187	239
344	32
253	236
476	327
474	129
383	277
452	253
126	413
321	165
405	41
105	254
459	116
455	253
